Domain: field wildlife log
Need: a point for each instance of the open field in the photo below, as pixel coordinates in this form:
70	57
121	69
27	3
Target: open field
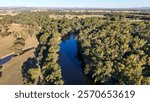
7	42
5	45
11	71
72	16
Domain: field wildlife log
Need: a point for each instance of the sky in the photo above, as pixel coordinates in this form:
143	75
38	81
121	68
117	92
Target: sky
76	3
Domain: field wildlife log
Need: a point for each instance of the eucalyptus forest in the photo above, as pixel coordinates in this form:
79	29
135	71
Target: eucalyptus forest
113	49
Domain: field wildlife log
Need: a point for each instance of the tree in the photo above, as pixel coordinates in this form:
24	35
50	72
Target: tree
33	75
43	38
18	45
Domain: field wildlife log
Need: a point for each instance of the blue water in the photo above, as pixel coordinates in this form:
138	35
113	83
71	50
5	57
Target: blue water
71	66
6	59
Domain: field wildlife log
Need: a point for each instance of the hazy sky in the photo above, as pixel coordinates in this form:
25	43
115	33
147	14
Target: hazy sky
77	3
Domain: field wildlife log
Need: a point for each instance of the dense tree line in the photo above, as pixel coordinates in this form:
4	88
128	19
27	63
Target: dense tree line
116	52
36	20
47	55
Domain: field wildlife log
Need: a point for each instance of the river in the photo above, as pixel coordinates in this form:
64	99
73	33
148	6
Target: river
70	64
72	70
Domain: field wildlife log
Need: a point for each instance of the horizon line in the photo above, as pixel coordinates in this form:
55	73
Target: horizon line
72	7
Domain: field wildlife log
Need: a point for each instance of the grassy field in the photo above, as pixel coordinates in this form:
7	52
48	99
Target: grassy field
12	70
5	45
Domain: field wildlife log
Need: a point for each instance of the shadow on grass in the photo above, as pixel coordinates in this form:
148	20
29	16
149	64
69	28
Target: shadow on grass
24	51
0	71
30	63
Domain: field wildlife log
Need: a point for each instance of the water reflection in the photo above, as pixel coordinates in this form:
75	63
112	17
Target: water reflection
71	66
